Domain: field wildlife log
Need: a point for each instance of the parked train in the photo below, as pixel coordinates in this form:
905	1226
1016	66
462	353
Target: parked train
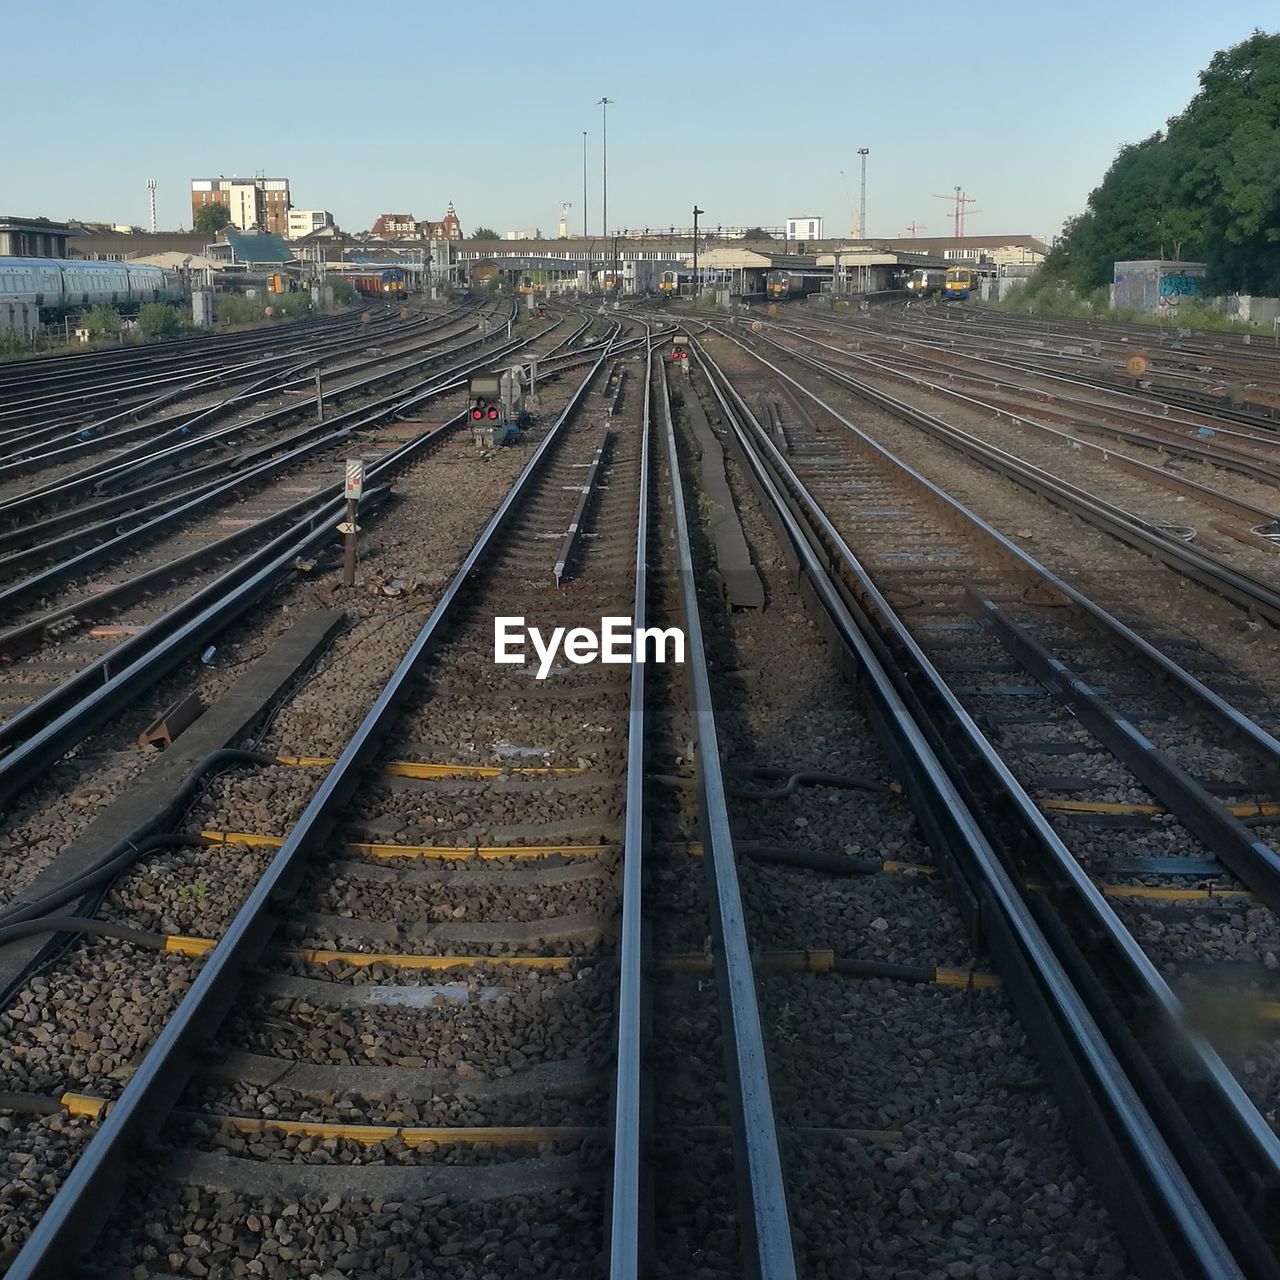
59	285
926	281
671	283
954	282
792	284
388	283
960	282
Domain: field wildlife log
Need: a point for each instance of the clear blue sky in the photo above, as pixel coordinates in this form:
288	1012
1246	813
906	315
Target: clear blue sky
750	109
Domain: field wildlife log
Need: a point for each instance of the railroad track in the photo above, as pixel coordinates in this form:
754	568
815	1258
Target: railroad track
175	606
519	987
959	610
1055	398
459	1024
57	388
1225	379
1245	586
106	454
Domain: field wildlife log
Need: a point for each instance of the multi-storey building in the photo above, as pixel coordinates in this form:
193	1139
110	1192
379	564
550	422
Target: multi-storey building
395	224
302	222
254	203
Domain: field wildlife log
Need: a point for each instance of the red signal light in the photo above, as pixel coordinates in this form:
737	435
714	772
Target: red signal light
493	414
476	415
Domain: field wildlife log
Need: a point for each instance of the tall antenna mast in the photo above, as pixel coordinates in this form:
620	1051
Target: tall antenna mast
151	193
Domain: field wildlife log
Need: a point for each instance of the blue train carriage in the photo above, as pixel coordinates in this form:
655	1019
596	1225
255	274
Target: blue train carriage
58	285
960	282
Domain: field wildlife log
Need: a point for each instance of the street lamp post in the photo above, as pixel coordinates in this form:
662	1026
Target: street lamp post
862	204
584	184
696	290
603	104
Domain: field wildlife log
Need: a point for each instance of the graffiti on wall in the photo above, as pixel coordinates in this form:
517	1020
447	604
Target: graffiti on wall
1174	288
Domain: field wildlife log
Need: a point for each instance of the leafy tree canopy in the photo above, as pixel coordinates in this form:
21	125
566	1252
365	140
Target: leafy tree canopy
1207	188
485	233
211	218
756	233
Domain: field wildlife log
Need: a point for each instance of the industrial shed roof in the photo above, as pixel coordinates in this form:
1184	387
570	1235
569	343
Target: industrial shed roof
249	246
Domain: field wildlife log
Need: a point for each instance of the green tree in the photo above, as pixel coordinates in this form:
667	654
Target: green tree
102	321
157	320
210	219
485	233
344	292
756	233
1207	188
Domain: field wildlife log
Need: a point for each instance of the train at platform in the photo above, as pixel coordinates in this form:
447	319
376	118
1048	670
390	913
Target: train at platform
960	282
955	283
673	283
387	283
926	282
779	285
59	286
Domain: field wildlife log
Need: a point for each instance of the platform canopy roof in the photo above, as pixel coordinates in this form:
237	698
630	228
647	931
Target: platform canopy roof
248	246
177	261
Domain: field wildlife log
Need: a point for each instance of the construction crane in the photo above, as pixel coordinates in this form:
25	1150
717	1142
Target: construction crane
565	206
960	200
913	227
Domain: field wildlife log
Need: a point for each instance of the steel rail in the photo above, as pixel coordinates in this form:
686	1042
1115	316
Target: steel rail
1149	391
42	733
137	394
273	368
1172	1230
103	478
297	446
768	1252
28	636
1261	744
1026	417
627	1206
42	365
1254	594
84	1203
179	429
944	356
211	347
1194	1096
584	500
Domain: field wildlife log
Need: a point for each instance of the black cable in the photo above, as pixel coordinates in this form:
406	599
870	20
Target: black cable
83	925
139	841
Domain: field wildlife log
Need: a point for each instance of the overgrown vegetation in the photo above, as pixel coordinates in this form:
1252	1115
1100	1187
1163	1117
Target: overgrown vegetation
102	321
344	292
1043	295
1206	188
159	320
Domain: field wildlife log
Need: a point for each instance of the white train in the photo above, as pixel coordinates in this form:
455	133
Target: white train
58	285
